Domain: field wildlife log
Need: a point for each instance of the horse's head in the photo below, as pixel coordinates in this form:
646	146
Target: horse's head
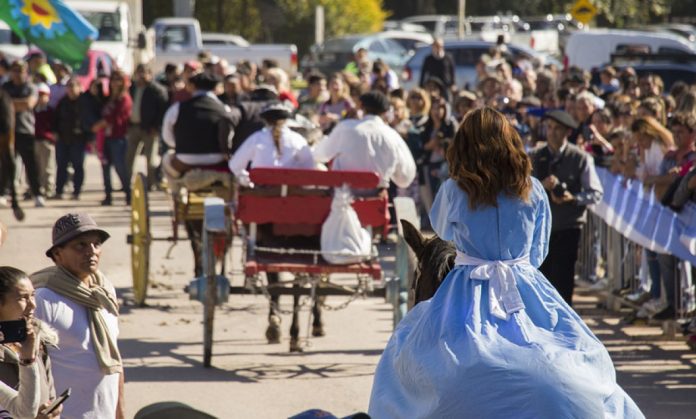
435	260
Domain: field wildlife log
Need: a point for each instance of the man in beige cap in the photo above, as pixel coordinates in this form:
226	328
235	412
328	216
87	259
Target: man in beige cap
77	300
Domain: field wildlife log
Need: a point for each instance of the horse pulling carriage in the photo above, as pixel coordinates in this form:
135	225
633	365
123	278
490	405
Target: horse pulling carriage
278	224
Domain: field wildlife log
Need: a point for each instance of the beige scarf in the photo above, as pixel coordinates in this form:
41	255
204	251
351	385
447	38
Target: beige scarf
94	298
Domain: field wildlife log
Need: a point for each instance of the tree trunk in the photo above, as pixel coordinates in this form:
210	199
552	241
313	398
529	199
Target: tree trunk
220	17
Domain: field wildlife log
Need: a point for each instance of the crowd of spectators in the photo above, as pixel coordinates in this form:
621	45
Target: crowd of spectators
629	123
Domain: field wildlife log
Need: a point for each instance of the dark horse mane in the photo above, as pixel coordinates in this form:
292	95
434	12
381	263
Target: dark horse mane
435	260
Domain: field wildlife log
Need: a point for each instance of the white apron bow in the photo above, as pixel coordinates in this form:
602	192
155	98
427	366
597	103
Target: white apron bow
504	297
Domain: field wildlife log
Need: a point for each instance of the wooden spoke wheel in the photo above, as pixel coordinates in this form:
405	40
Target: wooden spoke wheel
140	239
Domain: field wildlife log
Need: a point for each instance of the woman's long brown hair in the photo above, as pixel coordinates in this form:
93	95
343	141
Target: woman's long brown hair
487	157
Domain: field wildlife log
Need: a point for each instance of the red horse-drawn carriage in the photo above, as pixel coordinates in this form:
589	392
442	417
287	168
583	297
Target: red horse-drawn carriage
279	223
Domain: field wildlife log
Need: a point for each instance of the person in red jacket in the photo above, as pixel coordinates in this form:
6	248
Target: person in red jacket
115	117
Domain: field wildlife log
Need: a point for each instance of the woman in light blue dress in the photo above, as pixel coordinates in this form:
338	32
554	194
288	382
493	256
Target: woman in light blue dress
496	340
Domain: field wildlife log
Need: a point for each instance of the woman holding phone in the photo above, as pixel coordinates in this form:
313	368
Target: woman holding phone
26	383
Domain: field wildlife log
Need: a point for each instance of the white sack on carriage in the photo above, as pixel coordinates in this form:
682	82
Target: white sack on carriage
343	240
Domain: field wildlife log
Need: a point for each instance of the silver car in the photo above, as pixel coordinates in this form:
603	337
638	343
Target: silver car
466	54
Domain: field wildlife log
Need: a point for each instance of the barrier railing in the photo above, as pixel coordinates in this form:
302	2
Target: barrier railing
626	221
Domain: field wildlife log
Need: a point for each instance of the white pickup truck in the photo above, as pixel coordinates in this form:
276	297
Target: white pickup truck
178	40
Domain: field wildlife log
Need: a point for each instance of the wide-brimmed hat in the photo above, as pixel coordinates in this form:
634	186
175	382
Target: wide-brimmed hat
562	118
276	111
72	225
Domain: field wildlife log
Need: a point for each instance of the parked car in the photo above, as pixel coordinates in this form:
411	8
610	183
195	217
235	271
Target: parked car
96	64
512	28
399	25
409	40
219	39
591	49
12	47
670	67
178	40
563	24
438	25
466	54
681	29
335	53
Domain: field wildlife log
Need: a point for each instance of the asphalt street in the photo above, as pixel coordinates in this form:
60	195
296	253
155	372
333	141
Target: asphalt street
162	350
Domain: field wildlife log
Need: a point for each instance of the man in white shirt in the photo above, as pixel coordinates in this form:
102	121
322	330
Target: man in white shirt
369	144
76	299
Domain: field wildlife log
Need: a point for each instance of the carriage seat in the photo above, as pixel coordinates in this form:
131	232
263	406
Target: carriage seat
285	223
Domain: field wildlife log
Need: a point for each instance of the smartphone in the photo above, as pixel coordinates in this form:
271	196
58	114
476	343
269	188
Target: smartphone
57	402
13	331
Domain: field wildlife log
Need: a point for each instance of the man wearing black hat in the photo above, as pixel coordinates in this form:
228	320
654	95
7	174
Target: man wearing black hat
369	144
569	177
199	130
79	302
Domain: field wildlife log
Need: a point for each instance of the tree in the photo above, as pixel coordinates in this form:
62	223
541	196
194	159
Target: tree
341	16
239	17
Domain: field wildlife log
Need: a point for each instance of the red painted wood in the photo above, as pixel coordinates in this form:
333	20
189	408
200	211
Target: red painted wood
254	267
305	177
306	210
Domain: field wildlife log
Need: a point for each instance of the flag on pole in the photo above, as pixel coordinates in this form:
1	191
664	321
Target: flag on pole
50	25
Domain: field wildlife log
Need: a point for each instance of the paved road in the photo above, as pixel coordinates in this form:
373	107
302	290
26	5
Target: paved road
161	344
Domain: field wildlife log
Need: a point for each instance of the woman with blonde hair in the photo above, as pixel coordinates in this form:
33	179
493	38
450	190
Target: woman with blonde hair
496	340
653	140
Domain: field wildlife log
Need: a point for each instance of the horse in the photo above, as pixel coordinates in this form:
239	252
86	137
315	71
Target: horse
435	260
273	333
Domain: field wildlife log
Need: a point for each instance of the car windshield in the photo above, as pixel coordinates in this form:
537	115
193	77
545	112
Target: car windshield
5	36
340	45
107	23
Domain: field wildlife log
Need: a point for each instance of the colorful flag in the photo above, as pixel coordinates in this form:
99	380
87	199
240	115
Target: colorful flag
50	25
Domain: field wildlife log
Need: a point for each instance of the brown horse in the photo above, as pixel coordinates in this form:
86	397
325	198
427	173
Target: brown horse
435	260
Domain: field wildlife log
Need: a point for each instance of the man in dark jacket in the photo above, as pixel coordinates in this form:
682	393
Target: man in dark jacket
439	64
73	131
149	105
569	177
7	153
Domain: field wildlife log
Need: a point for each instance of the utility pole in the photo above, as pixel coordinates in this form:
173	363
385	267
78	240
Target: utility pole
319	25
460	19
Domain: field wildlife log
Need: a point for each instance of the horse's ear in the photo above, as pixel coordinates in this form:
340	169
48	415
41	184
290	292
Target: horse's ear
413	237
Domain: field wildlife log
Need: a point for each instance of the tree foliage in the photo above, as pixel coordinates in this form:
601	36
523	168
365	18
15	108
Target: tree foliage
240	17
341	17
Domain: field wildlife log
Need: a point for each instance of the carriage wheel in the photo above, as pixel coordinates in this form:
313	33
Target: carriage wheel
140	233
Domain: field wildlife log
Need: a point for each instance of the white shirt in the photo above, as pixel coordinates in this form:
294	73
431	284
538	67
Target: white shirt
260	150
94	395
653	160
368	145
168	137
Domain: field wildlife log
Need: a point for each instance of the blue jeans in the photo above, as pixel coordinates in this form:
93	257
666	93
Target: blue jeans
74	155
115	153
654	271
